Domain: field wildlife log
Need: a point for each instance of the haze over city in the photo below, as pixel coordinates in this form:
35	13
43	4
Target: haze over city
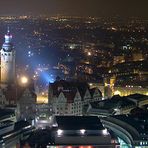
122	8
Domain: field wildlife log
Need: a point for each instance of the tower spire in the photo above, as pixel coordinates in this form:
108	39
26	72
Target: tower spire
8	30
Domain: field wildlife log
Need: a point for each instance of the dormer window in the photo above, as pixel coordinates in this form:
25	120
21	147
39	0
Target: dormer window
60	88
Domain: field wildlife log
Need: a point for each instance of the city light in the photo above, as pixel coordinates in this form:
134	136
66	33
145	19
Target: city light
90	84
117	92
82	131
24	80
89	54
105	132
59	132
69	146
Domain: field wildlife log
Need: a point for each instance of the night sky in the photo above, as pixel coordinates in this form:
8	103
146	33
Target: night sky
123	8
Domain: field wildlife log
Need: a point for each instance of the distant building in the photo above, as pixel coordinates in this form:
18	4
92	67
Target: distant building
130	73
118	59
138	57
120	90
68	98
129	90
108	87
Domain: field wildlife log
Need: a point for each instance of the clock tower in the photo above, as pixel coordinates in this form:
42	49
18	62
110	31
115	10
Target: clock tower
7	54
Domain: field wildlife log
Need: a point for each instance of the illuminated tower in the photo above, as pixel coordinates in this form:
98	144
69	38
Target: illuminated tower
109	86
7	54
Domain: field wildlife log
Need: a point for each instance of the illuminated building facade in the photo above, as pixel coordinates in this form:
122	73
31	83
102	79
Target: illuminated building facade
138	57
118	59
7	61
68	98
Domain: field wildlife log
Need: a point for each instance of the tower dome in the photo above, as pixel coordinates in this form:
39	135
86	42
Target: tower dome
8	46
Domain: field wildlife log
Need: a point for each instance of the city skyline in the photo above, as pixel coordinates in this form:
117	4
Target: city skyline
73	74
123	8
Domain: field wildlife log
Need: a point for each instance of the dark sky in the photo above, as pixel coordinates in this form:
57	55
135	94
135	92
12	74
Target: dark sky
76	7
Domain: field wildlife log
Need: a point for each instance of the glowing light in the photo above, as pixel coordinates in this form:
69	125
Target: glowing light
117	92
42	98
30	54
72	47
105	132
116	109
59	132
24	80
89	54
69	146
89	146
90	84
43	93
113	28
82	131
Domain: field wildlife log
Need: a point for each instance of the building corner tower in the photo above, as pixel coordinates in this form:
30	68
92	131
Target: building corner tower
7	55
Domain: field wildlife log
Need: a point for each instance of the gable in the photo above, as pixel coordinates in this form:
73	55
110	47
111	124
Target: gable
77	96
97	93
27	97
61	98
87	95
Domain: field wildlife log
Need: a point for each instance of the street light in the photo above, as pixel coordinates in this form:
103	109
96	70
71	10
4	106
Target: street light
23	80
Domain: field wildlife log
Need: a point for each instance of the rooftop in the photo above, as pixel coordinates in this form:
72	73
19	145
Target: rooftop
79	122
114	102
140	124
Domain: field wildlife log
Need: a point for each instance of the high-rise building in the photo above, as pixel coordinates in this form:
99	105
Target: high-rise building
7	54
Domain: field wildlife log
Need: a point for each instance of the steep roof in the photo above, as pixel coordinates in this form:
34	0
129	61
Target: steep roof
138	97
69	85
6	113
70	96
15	93
92	91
